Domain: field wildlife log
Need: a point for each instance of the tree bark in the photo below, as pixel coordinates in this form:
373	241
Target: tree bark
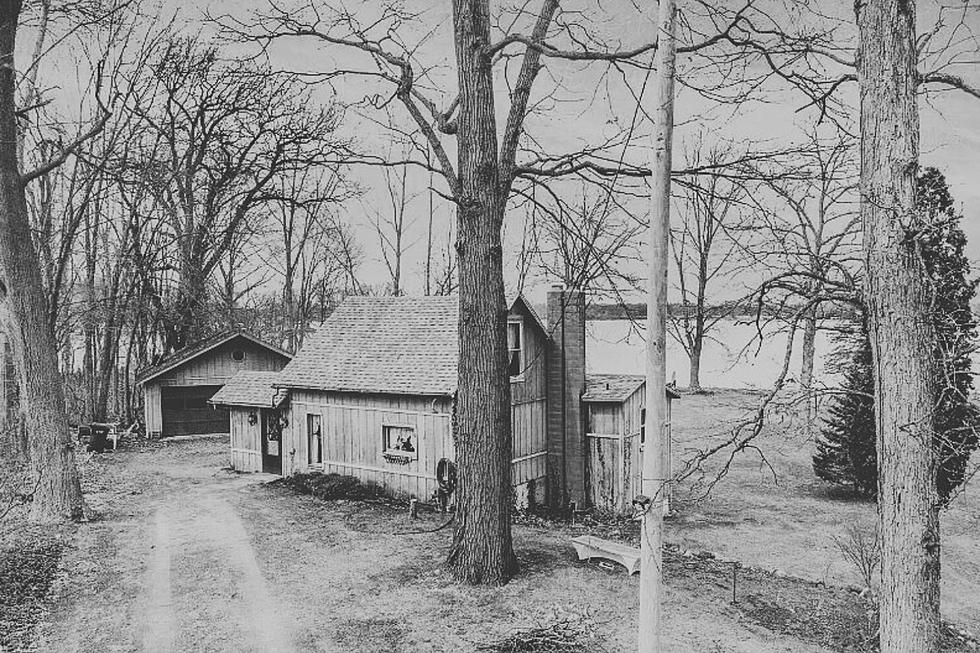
809	349
191	303
482	549
694	382
57	495
902	334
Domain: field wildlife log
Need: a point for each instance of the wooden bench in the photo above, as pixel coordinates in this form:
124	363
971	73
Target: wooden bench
589	546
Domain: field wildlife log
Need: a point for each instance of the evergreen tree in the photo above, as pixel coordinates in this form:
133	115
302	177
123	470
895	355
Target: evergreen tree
846	449
846	452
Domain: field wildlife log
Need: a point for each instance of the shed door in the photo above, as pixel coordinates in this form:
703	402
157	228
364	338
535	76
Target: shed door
186	411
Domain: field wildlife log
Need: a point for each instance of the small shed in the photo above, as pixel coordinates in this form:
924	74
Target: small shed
257	420
176	390
615	411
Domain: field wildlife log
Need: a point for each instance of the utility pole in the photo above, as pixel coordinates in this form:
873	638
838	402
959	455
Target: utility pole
654	481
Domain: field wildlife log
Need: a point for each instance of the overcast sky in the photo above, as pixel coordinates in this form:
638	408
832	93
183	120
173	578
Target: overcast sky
589	104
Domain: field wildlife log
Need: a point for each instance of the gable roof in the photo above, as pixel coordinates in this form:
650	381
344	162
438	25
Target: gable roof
192	351
520	300
387	345
615	387
249	388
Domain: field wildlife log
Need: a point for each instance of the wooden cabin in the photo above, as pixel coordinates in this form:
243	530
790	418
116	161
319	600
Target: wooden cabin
371	394
176	390
257	419
615	411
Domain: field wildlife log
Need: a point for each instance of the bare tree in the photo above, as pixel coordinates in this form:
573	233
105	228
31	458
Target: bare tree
393	226
308	247
811	231
585	242
217	135
713	223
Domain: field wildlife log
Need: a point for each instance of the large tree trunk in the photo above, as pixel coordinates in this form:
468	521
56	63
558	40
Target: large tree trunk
57	493
191	302
482	550
901	332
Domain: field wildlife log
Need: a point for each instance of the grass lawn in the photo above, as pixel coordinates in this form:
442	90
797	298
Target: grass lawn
788	520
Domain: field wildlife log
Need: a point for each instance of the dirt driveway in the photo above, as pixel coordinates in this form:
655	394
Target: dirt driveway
187	557
169	566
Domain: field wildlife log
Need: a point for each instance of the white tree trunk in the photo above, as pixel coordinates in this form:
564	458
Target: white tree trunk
654	481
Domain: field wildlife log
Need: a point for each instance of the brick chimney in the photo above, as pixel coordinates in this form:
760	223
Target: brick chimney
566	383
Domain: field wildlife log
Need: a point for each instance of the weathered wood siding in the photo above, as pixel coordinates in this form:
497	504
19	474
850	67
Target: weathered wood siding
215	367
246	441
152	411
352	434
529	415
615	464
605	472
632	462
352	426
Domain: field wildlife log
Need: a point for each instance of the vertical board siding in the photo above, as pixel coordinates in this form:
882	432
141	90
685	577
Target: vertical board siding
217	365
632	469
604	472
615	452
632	448
151	410
246	441
214	367
352	426
604	454
529	415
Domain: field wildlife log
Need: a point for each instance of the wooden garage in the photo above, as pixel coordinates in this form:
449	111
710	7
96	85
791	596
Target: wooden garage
176	390
184	410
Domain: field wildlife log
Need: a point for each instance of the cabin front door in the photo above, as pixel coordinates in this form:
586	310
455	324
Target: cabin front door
271	444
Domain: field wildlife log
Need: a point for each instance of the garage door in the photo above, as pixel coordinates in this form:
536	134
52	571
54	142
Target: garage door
186	411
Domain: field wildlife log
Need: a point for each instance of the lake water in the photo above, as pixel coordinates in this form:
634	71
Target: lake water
733	356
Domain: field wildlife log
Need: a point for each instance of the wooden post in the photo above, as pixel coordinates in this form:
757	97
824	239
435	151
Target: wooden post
651	534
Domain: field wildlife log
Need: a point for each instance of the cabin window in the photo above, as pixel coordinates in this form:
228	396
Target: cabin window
643	425
314	440
238	355
400	440
515	348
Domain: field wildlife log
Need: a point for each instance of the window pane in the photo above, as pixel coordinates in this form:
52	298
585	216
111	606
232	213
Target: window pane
401	439
513	335
314	451
514	367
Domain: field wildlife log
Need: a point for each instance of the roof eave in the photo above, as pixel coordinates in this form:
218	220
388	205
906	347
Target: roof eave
360	391
140	380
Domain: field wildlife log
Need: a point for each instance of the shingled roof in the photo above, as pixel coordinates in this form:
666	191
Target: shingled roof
615	387
387	345
249	388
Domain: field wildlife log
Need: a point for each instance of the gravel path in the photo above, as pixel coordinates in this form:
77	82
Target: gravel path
170	567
